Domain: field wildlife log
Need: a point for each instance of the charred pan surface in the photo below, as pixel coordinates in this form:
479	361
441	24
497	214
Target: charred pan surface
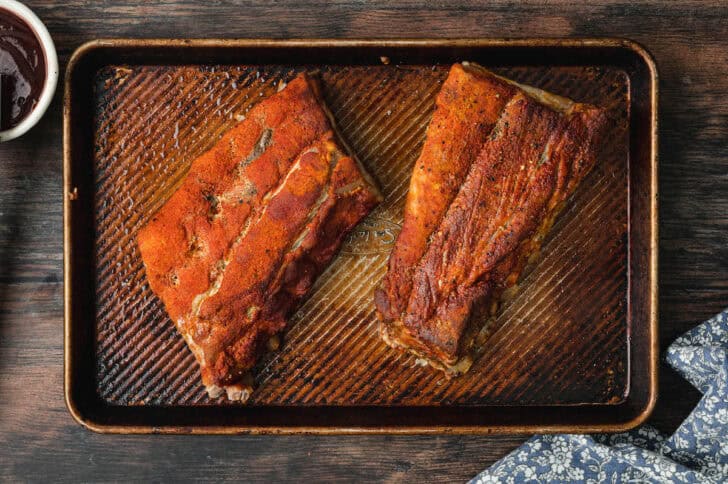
504	203
255	221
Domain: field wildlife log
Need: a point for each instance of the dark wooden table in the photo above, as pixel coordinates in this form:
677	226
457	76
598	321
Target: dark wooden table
37	435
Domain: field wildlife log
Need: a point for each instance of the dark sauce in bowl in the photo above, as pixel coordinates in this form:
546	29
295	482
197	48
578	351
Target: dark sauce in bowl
22	68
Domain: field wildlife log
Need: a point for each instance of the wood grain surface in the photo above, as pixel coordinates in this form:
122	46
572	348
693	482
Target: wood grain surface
38	436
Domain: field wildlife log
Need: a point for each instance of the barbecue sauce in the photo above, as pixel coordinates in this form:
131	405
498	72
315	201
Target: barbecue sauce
22	67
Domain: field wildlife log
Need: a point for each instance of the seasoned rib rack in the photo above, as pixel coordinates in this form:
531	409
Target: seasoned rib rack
255	221
498	163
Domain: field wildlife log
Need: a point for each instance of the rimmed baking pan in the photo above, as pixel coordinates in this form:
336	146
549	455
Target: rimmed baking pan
575	350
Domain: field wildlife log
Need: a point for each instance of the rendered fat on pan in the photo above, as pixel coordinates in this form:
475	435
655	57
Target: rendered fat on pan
256	220
499	161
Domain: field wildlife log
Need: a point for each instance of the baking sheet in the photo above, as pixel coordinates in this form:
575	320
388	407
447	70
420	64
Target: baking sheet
565	339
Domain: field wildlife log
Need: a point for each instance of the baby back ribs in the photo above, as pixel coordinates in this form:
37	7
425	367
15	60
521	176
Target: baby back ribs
255	221
526	162
466	108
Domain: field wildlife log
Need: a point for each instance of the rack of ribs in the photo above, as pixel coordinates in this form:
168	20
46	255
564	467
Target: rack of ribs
499	161
255	221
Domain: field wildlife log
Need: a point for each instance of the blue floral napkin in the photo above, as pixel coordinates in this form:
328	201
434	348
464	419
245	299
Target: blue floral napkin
696	452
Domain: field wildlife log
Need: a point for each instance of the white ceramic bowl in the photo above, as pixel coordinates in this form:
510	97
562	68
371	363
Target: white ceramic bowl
51	60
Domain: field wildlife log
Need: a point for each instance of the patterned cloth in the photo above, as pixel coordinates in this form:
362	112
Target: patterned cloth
696	452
